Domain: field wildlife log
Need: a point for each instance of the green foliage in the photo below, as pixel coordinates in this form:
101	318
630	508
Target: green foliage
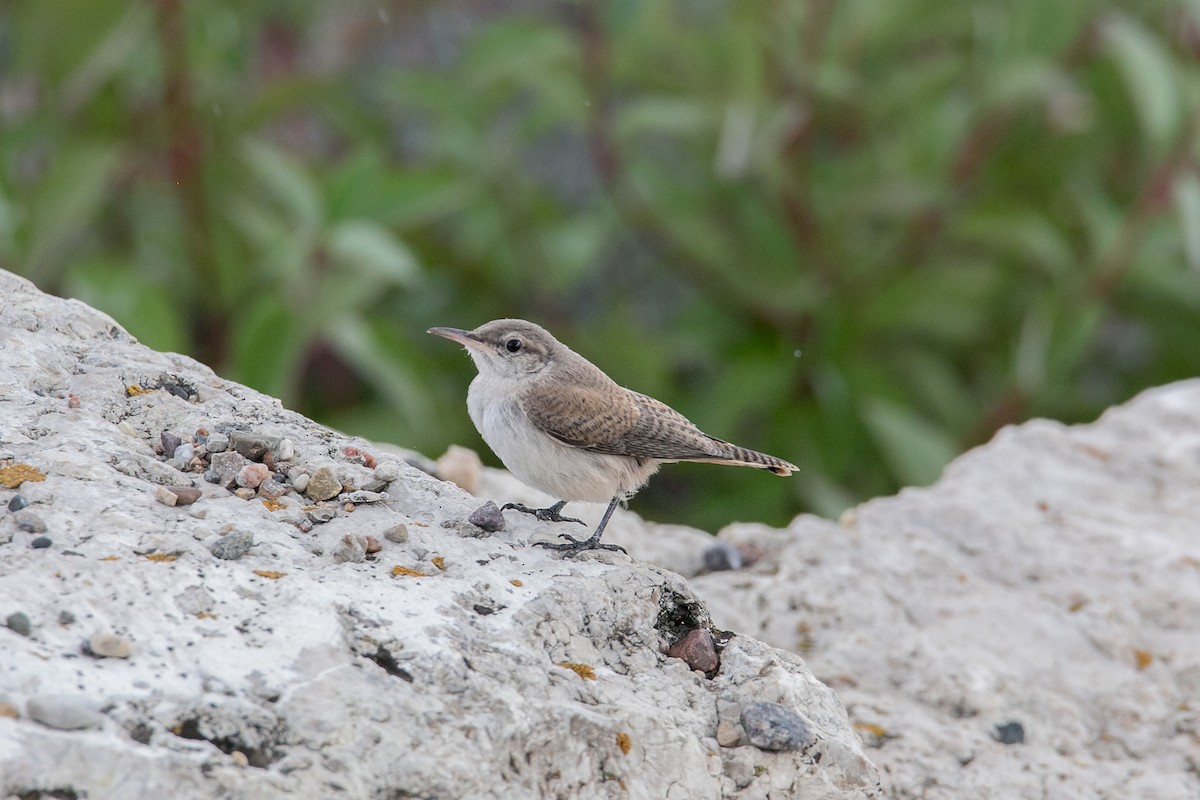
859	235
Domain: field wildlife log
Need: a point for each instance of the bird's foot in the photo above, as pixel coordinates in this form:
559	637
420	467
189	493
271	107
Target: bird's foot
573	546
550	514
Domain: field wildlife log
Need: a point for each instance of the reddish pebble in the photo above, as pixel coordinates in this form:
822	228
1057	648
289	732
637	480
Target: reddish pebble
697	649
252	475
72	401
373	545
751	552
184	495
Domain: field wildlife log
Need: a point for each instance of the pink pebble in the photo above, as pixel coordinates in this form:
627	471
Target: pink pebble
252	475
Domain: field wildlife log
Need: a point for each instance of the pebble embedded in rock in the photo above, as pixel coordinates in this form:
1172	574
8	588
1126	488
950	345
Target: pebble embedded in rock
217	443
488	517
387	471
300	482
350	548
233	545
722	556
373	545
729	734
227	465
185	495
1010	733
19	623
251	475
272	489
253	446
321	515
184	453
30	521
212	476
285	450
165	496
66	618
323	484
398	533
751	553
771	726
361	497
17	502
170	442
41	542
66	712
110	645
697	649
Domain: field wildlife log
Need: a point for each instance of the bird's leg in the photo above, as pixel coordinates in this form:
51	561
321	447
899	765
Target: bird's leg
544	514
575	546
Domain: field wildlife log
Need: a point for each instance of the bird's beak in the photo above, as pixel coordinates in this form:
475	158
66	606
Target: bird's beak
465	338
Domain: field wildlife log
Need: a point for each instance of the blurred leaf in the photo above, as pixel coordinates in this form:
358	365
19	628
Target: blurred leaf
916	449
1149	78
372	253
1187	206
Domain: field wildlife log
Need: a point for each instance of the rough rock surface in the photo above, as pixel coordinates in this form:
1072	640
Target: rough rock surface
450	664
1051	578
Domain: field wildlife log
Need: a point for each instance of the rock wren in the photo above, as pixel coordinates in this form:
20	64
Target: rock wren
562	426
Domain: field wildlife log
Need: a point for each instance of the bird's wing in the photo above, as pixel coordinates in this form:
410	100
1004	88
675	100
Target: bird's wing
623	423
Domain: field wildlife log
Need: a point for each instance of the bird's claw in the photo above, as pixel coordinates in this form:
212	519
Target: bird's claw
550	514
574	547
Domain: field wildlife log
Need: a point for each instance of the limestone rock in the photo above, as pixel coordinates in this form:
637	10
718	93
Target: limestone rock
288	673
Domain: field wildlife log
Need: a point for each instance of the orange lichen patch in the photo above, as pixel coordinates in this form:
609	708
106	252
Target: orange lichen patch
1076	604
584	671
160	557
398	570
272	505
269	573
10	711
205	615
134	390
1143	658
1096	452
872	728
14	476
439	562
111	558
624	742
516	582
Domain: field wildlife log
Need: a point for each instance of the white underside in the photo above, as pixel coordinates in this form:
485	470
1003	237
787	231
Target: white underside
543	462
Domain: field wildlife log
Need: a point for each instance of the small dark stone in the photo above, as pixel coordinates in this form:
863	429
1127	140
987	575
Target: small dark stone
483	610
722	556
18	502
1010	733
19	623
212	476
41	542
488	517
66	618
251	445
322	514
227	465
233	545
697	649
170	442
771	726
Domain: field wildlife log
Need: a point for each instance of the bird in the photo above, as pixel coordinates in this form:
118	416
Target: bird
563	426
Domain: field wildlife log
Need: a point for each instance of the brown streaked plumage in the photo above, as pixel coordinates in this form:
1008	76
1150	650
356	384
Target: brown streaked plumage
561	425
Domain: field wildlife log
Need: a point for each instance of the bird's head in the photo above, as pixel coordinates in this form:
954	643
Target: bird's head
508	348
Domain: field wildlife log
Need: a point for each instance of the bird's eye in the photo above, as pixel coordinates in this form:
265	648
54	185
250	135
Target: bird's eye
512	345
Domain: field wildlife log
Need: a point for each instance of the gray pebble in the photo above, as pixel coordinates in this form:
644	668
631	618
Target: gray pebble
300	482
375	485
184	453
350	548
66	618
285	450
233	545
398	533
252	445
1009	733
170	442
110	645
30	521
722	556
322	515
323	484
17	503
272	489
217	443
387	471
19	623
488	517
212	476
361	497
41	543
771	726
66	712
227	465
